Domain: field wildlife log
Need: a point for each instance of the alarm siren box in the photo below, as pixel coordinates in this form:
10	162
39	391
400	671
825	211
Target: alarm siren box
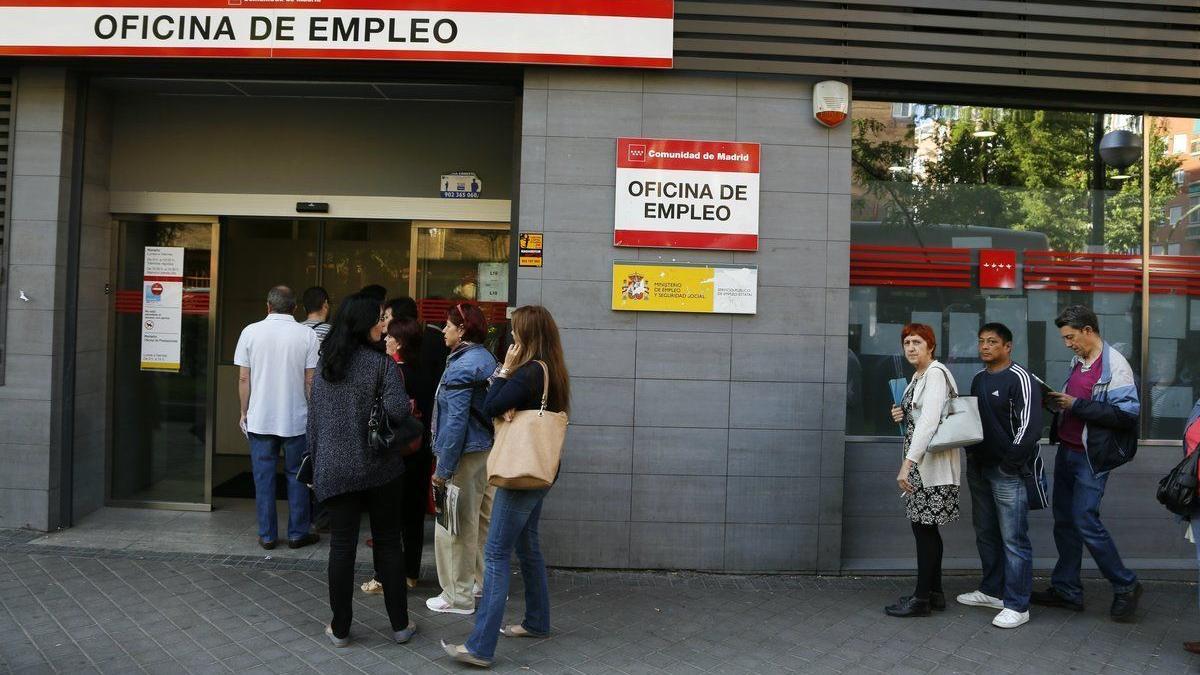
831	102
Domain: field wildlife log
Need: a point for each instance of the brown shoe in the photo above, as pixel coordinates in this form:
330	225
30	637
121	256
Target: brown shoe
1193	647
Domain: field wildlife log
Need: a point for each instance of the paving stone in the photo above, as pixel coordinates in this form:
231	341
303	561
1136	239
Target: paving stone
166	612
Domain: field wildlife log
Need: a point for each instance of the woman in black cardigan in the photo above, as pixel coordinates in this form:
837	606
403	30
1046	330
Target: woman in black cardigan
348	476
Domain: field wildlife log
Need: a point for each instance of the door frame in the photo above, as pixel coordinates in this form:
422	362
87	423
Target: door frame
200	207
117	259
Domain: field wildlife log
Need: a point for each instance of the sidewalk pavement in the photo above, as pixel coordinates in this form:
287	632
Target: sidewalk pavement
121	609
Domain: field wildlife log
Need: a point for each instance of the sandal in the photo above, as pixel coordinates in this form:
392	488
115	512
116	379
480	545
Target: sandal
519	631
461	654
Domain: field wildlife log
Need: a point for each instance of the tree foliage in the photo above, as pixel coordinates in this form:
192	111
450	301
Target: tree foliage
1033	175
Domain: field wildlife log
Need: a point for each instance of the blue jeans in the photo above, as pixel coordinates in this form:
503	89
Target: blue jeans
1076	505
1196	536
1000	514
264	452
515	515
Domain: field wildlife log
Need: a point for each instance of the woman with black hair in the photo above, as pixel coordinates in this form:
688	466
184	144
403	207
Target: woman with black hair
348	476
403	343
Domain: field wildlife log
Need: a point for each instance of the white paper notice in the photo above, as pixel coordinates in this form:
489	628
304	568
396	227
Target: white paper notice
735	290
162	308
493	282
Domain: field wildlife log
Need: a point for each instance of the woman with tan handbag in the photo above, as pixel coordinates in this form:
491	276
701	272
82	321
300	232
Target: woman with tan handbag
531	396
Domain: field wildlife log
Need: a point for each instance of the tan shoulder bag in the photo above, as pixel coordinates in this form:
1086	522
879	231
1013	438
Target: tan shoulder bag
526	452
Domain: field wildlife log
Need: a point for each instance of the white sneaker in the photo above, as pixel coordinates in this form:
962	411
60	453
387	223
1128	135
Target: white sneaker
439	604
980	599
1010	619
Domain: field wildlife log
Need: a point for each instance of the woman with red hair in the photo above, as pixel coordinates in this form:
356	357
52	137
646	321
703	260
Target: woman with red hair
928	480
462	440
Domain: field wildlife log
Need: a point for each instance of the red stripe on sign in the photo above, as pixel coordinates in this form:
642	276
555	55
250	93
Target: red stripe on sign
162	278
651	9
346	54
230	52
656	239
484	57
684	155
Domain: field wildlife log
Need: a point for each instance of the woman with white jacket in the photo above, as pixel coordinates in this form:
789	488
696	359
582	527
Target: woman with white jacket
928	480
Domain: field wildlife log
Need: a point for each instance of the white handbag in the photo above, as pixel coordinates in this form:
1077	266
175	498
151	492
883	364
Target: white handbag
960	424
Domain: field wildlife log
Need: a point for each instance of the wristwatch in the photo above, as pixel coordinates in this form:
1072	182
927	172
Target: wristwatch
503	372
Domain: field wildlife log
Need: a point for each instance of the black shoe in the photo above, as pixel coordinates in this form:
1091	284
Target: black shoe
1125	604
310	538
908	606
937	601
1052	598
267	545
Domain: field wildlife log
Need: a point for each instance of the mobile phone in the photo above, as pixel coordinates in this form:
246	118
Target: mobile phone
1045	388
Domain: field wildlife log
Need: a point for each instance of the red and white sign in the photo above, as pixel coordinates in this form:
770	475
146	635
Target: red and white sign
997	268
624	33
687	194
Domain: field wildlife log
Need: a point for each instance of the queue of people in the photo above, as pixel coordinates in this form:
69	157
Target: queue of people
1094	423
373	410
324	392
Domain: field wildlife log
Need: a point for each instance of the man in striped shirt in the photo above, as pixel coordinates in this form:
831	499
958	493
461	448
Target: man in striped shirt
1010	408
316	304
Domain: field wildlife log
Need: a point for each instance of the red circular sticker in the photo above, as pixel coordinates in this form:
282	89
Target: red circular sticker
156	288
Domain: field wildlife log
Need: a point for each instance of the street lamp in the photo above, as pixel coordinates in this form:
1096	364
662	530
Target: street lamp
1119	149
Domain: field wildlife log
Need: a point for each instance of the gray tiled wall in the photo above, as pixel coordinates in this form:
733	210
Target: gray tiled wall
42	152
697	441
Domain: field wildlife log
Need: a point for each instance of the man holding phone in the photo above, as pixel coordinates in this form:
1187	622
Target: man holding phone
1096	426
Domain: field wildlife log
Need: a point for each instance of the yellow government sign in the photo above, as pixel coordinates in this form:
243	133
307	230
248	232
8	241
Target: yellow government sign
684	287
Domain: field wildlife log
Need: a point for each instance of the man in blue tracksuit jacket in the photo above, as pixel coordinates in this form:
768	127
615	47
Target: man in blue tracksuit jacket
1010	411
1096	427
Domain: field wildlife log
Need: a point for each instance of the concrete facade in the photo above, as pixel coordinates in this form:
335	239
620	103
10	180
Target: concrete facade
697	441
31	400
708	442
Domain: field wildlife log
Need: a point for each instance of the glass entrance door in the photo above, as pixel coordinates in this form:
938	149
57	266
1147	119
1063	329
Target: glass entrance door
162	362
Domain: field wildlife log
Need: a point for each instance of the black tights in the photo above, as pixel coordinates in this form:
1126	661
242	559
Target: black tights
929	560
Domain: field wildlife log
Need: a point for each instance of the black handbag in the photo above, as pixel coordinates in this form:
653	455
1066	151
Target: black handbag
1177	489
382	436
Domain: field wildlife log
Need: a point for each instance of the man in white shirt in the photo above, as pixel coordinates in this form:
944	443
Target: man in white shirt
277	358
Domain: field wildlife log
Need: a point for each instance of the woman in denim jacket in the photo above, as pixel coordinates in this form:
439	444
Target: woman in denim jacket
462	439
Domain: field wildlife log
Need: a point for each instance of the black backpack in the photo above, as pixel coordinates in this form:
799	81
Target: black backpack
1177	490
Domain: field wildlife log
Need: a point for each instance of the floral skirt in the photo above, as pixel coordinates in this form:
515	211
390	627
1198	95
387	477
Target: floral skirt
937	505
